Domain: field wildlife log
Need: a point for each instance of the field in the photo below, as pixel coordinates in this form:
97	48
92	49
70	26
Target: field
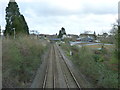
21	59
99	66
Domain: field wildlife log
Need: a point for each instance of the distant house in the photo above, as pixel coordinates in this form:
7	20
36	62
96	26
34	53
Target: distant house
64	36
102	36
70	36
87	37
47	36
73	35
105	35
99	35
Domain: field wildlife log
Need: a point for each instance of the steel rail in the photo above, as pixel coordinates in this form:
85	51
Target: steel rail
74	78
54	69
45	78
46	74
65	77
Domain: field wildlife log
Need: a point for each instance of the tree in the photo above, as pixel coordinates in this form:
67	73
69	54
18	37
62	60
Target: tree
118	38
115	31
61	32
25	27
95	35
105	34
15	20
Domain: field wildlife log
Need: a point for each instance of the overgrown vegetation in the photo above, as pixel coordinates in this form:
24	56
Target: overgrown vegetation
21	59
99	66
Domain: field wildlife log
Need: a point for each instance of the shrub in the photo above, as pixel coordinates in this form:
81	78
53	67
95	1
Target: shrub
93	65
21	58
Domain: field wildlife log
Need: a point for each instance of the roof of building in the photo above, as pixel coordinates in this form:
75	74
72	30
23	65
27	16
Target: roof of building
87	34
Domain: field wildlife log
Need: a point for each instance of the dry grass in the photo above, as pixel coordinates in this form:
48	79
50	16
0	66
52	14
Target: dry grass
21	58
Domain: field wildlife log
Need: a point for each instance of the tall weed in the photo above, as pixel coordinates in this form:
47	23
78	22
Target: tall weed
21	58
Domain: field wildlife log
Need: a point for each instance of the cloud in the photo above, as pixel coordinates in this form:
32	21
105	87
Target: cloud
48	16
62	9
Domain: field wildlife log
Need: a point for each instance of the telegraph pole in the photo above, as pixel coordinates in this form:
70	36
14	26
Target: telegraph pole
14	32
0	32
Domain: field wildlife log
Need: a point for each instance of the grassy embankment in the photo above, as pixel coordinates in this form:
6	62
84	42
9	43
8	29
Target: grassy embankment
100	66
21	59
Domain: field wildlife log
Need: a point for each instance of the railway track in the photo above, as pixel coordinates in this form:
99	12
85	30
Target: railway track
52	77
77	85
49	78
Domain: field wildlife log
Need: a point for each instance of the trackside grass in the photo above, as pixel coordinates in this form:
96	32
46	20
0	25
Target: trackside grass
21	59
99	66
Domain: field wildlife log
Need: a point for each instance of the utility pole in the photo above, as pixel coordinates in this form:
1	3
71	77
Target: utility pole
14	32
0	31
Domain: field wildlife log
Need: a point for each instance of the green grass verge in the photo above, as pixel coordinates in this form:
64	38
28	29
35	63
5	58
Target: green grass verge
95	64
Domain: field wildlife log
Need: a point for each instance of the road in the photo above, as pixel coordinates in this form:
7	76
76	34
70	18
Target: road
57	72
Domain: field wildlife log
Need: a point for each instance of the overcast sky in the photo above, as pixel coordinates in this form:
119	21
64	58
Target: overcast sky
76	16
